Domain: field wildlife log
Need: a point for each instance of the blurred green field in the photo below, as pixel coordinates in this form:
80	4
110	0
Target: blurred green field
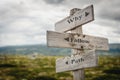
22	67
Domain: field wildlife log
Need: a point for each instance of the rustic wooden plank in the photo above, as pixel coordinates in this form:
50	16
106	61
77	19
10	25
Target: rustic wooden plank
86	60
76	41
79	18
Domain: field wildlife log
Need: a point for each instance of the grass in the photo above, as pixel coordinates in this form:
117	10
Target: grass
21	67
108	69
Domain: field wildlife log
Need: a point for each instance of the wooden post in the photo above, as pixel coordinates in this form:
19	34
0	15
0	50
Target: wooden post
77	74
79	58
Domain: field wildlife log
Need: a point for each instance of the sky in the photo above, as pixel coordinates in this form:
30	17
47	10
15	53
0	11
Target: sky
25	22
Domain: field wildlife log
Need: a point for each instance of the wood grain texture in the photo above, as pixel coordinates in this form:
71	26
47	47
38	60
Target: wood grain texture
76	41
79	18
75	62
79	74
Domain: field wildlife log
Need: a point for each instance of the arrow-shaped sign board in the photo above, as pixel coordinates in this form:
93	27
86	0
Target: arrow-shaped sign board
79	18
85	60
76	41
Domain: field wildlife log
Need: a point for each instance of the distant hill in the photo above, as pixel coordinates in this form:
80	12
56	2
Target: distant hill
43	49
30	49
114	49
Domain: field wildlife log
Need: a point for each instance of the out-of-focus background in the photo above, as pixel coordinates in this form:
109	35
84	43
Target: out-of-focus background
23	51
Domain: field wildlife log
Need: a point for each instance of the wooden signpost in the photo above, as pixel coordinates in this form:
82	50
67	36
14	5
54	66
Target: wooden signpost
79	18
75	41
87	59
83	46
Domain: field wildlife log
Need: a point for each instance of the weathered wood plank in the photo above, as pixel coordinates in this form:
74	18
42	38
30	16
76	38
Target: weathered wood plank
79	18
85	60
76	41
